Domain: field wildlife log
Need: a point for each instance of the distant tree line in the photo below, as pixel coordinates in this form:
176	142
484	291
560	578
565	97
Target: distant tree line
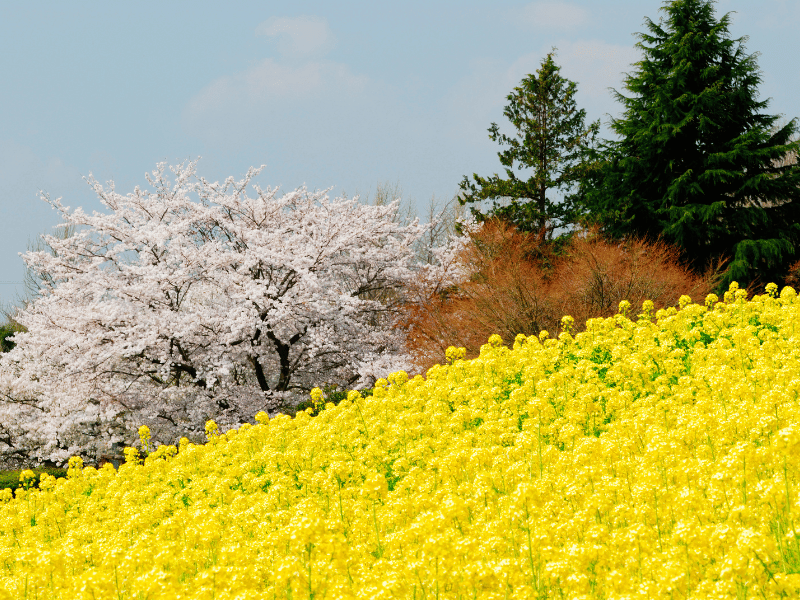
698	162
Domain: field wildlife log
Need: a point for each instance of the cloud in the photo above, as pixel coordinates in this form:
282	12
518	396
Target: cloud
23	216
267	93
299	37
775	15
596	66
24	174
559	16
269	81
478	99
278	96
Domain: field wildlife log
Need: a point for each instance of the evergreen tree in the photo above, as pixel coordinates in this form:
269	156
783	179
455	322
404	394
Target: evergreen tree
698	161
550	140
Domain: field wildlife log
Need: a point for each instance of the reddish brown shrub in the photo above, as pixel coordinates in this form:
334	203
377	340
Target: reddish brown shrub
595	275
505	295
793	278
514	289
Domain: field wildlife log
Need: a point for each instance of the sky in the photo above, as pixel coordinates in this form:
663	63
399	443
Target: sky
344	95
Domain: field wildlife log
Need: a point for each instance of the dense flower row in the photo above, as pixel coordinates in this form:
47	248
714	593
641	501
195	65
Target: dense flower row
649	457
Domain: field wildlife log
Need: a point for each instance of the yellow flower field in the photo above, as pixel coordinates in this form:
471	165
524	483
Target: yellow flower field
652	456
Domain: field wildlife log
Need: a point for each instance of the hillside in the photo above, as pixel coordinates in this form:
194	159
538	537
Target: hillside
649	456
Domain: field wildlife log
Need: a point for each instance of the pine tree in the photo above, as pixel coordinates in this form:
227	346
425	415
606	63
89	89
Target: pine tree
698	161
550	139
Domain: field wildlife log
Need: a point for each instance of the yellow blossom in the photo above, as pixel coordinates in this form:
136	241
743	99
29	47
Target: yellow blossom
648	458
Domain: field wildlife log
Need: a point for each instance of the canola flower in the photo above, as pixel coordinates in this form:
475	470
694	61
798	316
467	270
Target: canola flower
652	456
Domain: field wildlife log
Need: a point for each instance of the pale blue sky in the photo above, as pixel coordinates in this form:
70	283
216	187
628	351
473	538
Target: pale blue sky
344	94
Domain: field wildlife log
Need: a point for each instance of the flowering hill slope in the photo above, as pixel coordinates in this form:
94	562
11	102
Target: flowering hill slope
652	456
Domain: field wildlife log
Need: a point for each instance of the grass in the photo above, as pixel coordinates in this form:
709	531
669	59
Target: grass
10	479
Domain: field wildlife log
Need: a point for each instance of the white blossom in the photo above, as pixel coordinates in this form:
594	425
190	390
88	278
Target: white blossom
194	300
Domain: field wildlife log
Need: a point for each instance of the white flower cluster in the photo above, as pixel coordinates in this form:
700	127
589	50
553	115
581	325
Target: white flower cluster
196	301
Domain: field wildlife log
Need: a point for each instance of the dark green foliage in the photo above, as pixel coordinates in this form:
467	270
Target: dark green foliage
551	140
6	331
331	393
698	161
10	479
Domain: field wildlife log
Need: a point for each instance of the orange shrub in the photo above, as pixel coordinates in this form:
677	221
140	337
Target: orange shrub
519	285
793	278
595	274
505	295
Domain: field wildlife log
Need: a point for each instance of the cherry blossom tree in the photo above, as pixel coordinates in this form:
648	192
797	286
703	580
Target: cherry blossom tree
194	300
